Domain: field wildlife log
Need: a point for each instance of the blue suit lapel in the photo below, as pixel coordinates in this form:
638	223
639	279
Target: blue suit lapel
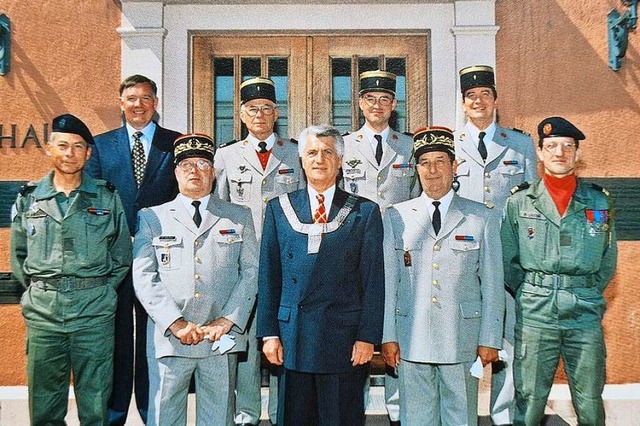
301	205
156	157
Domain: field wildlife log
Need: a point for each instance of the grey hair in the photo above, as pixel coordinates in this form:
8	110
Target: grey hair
321	131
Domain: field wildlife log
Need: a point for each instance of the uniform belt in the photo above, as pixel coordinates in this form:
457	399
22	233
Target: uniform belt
558	280
67	283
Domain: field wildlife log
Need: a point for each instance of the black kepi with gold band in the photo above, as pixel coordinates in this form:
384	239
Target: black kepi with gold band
377	81
434	138
477	76
552	127
193	145
257	88
67	123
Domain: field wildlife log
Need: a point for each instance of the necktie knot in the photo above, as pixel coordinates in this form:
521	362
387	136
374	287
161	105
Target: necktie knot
137	136
378	148
197	218
320	216
482	148
436	220
263	147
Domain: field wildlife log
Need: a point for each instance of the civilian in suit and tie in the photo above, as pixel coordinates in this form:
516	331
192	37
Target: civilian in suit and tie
250	173
195	272
137	159
491	160
378	164
444	304
321	290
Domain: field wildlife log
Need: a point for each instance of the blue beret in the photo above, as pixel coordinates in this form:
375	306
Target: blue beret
67	123
557	126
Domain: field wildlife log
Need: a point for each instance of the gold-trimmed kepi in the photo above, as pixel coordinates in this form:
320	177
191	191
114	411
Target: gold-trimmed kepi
193	145
433	138
477	76
378	81
257	88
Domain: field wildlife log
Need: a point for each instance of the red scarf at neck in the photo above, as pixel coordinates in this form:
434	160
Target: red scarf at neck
561	190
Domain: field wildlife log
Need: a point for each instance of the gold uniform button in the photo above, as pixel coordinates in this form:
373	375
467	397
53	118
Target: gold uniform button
512	172
436	247
487	189
197	259
229	240
435	283
196	276
379	178
264	182
436	265
197	295
487	175
434	299
397	311
489	204
265	199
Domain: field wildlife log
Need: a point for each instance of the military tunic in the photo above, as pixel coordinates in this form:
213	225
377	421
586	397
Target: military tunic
393	181
71	262
241	179
559	268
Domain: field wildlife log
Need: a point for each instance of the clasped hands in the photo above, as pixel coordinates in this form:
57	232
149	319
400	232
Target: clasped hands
272	348
190	333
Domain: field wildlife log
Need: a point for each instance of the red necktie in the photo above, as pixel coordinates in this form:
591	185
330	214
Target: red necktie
320	216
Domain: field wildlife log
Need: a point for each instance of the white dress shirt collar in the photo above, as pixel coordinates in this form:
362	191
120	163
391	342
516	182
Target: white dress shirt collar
204	201
473	131
328	199
147	136
445	202
254	141
370	133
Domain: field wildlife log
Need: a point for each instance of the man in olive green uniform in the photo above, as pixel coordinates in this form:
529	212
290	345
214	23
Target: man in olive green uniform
560	252
70	248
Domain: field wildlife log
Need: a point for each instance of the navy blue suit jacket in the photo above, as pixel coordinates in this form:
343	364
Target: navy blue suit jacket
111	160
320	304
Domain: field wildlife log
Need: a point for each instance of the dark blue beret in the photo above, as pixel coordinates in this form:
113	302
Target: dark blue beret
67	123
557	126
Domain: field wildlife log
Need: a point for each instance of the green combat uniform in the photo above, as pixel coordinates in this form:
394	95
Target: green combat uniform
558	268
70	253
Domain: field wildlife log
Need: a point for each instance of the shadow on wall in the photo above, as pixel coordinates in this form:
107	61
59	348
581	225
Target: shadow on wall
547	64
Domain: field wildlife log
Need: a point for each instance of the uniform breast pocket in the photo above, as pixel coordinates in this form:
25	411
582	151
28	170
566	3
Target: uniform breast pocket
37	241
353	174
512	174
99	229
240	187
465	248
227	249
168	252
287	182
400	171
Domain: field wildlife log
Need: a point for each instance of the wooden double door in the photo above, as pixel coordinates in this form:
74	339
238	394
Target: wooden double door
316	79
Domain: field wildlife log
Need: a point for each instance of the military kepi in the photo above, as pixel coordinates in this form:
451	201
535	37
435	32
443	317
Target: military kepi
377	81
193	145
434	138
557	126
67	123
257	88
477	76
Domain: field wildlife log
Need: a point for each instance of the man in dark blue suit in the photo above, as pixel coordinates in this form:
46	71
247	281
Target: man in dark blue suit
138	159
321	289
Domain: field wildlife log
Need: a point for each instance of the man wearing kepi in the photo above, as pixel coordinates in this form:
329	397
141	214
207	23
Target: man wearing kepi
491	160
194	271
560	253
250	173
378	165
444	303
321	290
70	248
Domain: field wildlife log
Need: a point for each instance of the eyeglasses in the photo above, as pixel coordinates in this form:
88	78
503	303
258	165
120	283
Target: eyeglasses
382	100
484	96
187	166
143	99
255	109
565	146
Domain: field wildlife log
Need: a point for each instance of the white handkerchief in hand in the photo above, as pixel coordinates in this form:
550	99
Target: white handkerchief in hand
225	344
477	370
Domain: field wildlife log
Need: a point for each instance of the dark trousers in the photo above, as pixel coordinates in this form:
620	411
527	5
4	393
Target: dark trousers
309	399
130	360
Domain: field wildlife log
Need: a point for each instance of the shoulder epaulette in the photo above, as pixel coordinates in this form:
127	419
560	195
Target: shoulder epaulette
597	187
227	144
346	134
517	188
294	141
520	131
27	188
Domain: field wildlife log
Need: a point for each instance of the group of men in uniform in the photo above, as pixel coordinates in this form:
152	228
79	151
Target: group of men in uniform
407	247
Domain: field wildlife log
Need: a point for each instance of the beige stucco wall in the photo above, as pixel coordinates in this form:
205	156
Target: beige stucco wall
552	60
